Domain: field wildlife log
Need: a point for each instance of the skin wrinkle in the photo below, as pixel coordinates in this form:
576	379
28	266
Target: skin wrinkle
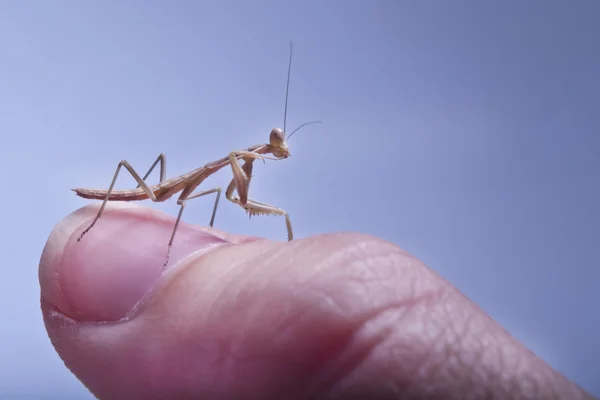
298	317
434	340
503	379
478	370
342	364
225	276
355	266
295	277
510	362
365	346
288	323
330	279
270	253
242	334
169	276
242	281
334	347
210	314
487	378
451	350
424	280
469	359
482	366
374	264
401	310
416	360
220	286
473	329
353	382
335	365
350	250
159	367
448	381
447	338
465	359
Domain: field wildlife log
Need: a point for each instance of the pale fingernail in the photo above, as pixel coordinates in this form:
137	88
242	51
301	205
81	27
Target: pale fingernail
116	263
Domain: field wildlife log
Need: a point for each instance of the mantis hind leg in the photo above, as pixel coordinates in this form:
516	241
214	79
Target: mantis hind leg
138	179
162	158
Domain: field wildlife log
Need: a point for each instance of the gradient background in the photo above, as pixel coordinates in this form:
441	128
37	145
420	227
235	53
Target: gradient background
467	133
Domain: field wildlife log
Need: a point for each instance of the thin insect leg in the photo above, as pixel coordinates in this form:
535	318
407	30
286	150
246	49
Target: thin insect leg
243	175
182	203
254	207
135	175
241	178
162	158
212	218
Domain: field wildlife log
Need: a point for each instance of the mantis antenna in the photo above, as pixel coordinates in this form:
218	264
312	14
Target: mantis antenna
287	90
302	126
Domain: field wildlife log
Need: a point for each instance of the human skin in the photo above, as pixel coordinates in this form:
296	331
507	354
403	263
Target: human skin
335	316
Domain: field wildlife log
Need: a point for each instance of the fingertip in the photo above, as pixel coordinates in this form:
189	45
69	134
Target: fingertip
101	277
256	318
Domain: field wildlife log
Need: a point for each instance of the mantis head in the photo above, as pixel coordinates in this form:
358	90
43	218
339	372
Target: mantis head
278	144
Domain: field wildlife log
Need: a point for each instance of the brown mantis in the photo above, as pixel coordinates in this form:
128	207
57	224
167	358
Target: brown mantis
187	183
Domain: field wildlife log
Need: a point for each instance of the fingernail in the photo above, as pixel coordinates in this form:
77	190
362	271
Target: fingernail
102	277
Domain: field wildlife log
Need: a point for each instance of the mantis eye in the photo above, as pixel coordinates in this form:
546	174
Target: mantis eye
277	137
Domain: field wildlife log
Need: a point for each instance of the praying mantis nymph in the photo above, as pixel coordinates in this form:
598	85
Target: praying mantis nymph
188	182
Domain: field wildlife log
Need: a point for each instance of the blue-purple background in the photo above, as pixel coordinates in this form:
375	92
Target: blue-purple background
466	132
